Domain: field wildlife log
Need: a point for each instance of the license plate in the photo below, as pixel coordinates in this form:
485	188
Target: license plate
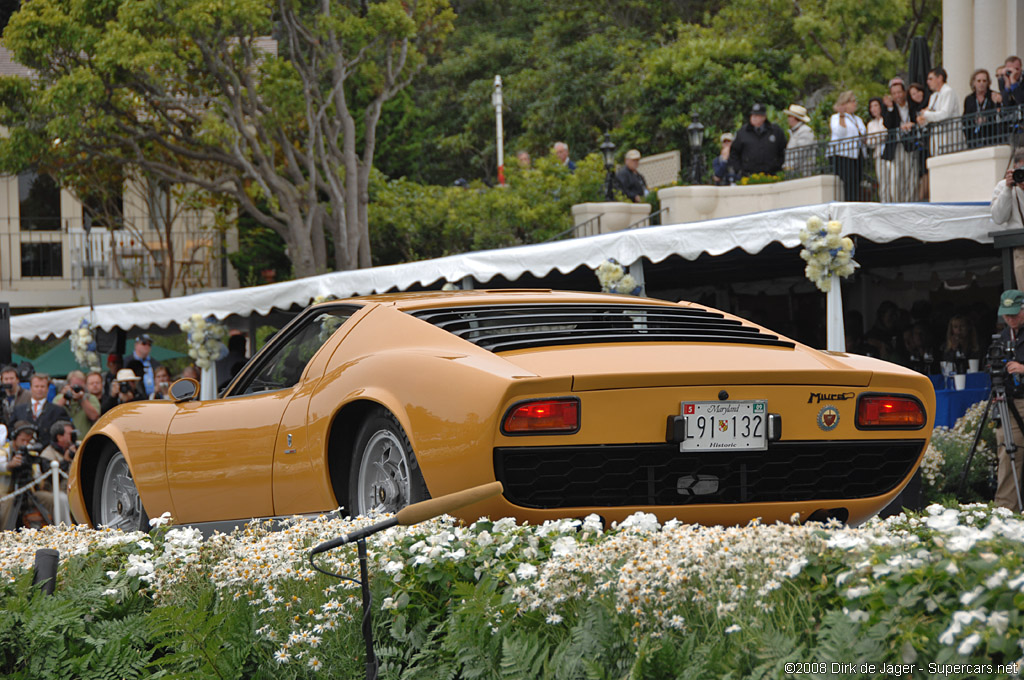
725	425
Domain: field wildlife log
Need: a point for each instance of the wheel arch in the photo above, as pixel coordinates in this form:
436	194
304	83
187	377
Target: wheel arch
90	454
341	442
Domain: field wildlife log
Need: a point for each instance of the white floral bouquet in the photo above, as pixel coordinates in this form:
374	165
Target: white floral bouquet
826	252
83	346
614	278
205	338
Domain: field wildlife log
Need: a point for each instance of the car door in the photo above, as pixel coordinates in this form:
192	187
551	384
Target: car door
220	453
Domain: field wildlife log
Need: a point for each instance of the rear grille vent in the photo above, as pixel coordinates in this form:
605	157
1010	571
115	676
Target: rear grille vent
659	474
501	328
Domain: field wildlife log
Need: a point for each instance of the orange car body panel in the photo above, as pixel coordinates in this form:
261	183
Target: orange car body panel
231	458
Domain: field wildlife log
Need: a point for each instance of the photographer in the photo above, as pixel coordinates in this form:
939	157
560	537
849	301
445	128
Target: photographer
62	446
123	389
11	394
163	383
83	407
23	464
1011	308
1008	207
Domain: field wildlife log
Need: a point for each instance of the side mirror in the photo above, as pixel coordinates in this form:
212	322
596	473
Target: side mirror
184	389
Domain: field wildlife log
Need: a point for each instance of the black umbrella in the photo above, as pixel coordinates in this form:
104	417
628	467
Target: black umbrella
920	60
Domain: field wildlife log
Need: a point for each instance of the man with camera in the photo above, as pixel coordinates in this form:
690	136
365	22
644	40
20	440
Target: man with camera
20	463
1008	478
83	407
1008	207
11	394
62	450
123	388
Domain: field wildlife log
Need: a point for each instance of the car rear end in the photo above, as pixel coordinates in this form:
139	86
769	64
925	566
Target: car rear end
686	412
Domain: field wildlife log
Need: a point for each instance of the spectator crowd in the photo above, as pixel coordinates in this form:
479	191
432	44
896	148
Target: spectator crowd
905	125
47	419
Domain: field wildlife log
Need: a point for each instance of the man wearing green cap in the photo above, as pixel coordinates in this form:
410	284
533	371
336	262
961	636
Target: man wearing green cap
1011	308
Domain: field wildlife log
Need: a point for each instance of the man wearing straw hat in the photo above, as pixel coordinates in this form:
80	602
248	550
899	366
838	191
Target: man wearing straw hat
799	152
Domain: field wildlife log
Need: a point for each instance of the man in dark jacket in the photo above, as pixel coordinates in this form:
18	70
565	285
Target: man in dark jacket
759	146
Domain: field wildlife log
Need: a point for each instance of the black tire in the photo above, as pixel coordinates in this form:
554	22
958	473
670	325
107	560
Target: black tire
384	474
115	500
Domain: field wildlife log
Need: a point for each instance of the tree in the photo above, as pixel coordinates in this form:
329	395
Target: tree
194	92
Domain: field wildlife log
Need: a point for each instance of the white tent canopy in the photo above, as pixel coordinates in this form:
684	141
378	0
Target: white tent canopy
880	223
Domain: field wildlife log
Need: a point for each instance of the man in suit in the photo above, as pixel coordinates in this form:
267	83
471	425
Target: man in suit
40	412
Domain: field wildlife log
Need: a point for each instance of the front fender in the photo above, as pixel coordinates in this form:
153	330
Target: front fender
139	431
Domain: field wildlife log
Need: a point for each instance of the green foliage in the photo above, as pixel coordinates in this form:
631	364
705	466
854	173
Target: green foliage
411	221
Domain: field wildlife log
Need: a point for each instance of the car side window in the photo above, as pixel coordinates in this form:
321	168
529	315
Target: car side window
287	357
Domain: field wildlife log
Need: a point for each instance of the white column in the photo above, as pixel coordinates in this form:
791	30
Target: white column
990	48
958	44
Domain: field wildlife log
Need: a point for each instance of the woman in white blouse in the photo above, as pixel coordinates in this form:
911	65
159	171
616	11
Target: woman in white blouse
847	144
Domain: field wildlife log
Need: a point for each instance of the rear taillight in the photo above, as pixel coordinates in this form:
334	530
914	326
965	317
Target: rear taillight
543	416
886	411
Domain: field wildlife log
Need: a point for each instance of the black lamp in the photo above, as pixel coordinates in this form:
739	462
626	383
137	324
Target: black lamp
696	132
608	152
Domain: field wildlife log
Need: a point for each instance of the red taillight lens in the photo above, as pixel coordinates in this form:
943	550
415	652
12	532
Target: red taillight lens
543	415
882	411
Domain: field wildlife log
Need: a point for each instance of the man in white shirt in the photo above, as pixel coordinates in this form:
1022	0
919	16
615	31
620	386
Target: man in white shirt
1008	209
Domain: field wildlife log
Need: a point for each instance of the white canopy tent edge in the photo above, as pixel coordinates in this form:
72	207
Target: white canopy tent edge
880	223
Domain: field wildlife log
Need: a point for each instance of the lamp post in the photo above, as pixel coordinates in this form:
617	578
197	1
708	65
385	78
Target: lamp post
608	152
87	225
696	132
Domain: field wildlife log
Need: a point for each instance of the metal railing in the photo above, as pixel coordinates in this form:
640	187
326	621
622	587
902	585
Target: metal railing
652	220
120	259
889	166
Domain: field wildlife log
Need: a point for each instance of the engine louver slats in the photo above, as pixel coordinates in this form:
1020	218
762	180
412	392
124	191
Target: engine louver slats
502	328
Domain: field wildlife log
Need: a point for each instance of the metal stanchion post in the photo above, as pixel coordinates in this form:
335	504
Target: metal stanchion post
55	487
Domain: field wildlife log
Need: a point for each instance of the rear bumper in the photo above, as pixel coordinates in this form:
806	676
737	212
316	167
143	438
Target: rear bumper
859	475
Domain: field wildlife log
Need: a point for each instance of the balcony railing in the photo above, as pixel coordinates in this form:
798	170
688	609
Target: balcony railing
120	259
870	176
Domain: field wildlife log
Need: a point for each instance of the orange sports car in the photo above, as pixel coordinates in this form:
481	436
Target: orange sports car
578	403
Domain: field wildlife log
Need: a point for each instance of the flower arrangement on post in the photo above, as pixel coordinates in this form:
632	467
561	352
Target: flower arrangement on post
826	252
614	278
83	346
205	339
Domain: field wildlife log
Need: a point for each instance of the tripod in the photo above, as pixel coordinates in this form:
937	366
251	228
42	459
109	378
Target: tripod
24	504
1004	408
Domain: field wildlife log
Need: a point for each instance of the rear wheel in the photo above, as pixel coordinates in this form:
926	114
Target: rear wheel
385	476
116	501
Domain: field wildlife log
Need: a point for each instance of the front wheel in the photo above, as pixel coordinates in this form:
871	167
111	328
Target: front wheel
116	502
385	476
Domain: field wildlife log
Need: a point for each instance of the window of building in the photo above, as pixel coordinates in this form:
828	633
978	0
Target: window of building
38	202
41	259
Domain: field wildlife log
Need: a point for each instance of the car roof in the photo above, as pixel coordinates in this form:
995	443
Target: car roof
433	298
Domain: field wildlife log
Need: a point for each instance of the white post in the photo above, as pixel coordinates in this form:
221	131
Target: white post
637	270
208	382
55	486
496	100
834	317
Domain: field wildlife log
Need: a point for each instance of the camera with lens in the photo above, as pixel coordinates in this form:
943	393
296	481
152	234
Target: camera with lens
999	354
1018	176
23	474
7	387
125	387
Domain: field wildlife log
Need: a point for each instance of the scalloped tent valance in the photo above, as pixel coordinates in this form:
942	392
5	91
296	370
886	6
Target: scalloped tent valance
880	223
